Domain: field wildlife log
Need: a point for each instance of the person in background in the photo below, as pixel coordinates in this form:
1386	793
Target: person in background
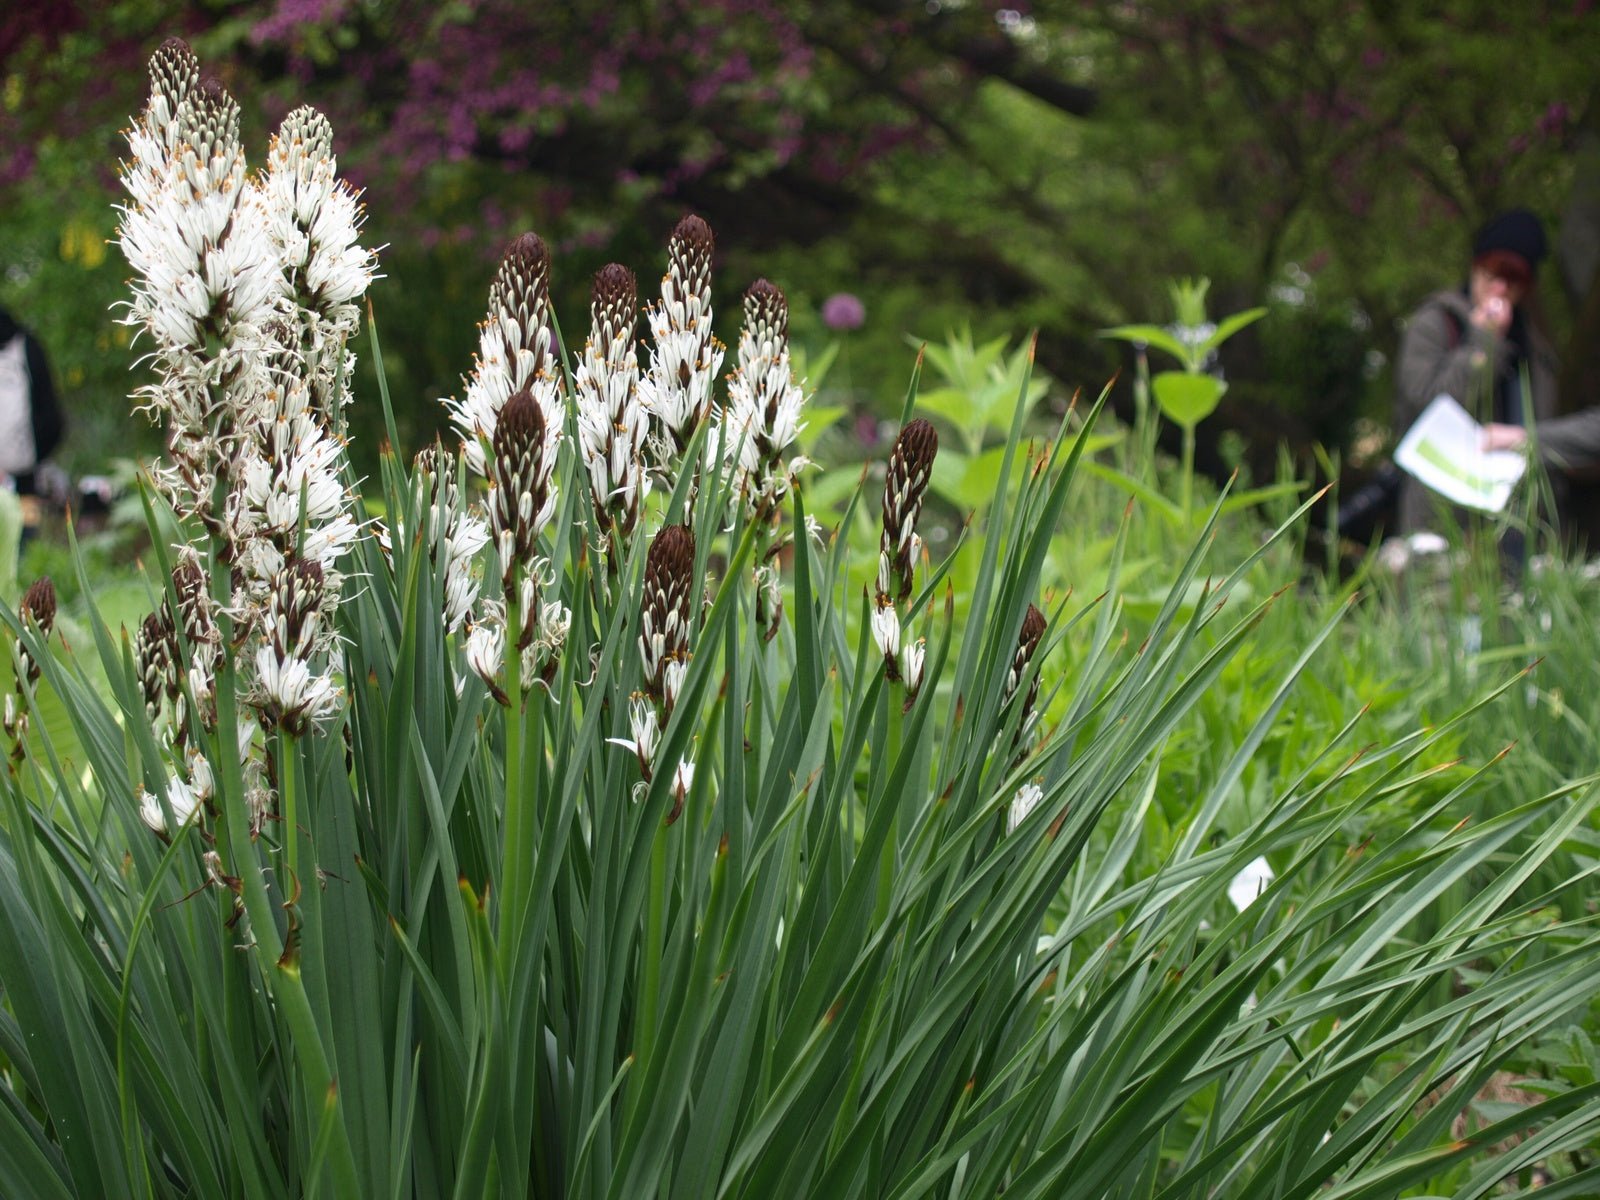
1481	345
31	423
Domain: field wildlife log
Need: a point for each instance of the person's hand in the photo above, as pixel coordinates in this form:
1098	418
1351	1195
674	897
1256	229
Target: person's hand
1493	314
1504	437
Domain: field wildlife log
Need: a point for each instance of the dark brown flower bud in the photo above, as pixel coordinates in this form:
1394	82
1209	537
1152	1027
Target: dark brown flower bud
197	619
520	294
689	254
38	609
614	308
766	313
152	653
295	609
174	70
521	478
1028	640
1033	626
664	622
39	604
910	468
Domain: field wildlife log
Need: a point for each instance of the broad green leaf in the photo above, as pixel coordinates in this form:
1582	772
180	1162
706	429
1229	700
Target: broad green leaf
1187	399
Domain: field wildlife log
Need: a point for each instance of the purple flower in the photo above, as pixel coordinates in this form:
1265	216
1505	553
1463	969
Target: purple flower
843	311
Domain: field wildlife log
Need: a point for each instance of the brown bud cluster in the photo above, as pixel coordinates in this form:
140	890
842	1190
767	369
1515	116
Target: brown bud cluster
160	658
519	478
611	422
1033	627
766	312
664	623
153	650
614	305
910	468
689	254
38	611
294	610
519	298
174	71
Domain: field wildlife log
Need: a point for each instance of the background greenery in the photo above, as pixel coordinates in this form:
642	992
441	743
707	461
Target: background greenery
998	165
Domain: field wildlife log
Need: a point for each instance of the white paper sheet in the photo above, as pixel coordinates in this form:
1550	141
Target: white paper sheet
1444	449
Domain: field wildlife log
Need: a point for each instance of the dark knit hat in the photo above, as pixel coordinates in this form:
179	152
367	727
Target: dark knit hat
1516	232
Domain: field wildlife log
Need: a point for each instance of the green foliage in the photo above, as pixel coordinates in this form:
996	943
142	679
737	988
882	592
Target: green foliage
838	973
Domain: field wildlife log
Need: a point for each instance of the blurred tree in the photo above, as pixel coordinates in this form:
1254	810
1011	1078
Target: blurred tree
1019	163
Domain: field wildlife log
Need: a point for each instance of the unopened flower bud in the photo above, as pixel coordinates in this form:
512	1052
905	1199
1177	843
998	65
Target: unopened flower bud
520	503
1033	627
910	468
664	623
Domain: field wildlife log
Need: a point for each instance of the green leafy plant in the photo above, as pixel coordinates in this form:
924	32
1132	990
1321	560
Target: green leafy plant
1189	395
605	828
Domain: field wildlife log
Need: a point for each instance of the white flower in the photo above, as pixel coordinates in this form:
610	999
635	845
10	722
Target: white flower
555	619
886	630
467	536
317	216
911	662
683	368
612	423
672	677
1023	803
182	799
486	651
885	573
764	399
293	695
685	359
645	725
16	717
682	780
